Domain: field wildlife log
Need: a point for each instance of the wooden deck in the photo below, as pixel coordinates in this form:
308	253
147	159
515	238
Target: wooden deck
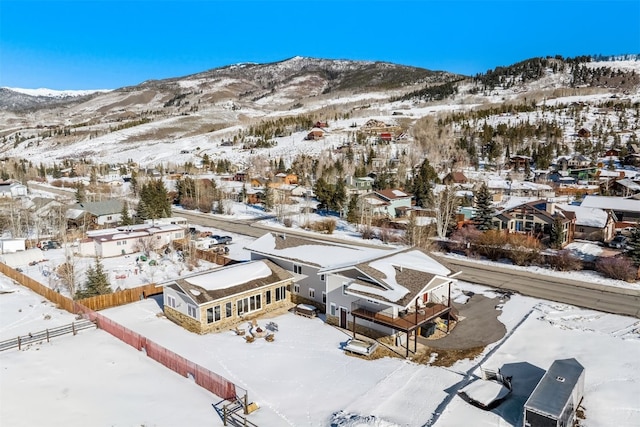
405	323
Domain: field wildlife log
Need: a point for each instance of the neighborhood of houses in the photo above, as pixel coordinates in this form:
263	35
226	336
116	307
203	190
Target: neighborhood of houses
378	295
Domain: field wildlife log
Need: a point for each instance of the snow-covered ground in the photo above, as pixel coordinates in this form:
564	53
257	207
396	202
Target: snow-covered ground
302	378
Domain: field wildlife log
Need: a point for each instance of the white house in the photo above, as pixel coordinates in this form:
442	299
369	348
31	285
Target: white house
129	239
12	190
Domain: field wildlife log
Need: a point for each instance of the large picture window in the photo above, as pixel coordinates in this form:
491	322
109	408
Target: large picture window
281	293
249	304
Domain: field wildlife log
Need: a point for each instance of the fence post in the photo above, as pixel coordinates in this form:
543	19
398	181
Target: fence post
224	415
73	327
246	402
47	335
19	342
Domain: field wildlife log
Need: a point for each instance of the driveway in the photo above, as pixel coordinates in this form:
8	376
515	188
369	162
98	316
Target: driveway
480	326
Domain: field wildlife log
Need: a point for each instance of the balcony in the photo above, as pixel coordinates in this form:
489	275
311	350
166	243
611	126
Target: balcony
402	322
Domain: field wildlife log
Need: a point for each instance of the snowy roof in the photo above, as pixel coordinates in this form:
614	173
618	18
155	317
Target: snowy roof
554	389
631	185
588	217
611	202
223	282
397	277
312	252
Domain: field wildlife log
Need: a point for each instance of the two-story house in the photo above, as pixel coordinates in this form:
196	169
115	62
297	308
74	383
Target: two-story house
376	292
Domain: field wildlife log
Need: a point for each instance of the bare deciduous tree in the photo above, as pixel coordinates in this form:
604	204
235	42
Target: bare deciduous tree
446	206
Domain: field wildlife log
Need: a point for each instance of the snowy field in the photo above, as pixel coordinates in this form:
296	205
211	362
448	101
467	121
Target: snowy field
302	378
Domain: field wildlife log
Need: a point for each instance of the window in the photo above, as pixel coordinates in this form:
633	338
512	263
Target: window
297	269
322	277
178	235
191	309
281	293
296	288
171	301
267	299
344	288
109	217
312	293
210	315
216	313
332	310
249	304
324	297
228	310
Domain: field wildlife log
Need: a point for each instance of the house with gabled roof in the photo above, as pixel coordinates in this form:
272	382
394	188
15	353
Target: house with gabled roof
591	223
100	214
218	299
396	201
535	218
624	209
377	292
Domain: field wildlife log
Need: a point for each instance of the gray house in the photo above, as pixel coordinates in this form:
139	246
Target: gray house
376	292
555	399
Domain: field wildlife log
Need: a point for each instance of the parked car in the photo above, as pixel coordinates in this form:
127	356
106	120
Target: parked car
619	242
224	240
214	236
49	244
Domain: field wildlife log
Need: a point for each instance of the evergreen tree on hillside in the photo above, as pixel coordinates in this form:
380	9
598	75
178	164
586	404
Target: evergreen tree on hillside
81	193
484	209
268	196
422	186
97	282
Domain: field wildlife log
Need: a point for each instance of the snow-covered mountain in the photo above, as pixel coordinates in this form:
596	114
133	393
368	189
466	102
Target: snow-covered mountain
154	121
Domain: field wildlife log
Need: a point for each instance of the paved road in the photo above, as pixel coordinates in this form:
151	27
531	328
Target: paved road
582	294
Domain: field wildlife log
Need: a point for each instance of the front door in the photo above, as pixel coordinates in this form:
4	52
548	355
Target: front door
343	317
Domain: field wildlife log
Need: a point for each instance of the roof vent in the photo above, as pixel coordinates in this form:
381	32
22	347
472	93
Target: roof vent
560	379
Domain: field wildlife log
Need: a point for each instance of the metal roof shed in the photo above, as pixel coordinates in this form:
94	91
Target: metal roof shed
555	399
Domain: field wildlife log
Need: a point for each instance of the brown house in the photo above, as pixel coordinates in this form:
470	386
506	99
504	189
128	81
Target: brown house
315	134
536	219
219	299
584	133
454	178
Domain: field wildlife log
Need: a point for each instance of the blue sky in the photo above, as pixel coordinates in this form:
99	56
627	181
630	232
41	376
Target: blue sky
109	44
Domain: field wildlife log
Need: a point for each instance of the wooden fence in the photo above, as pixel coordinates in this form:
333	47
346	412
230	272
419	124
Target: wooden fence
47	334
98	302
62	301
125	296
209	256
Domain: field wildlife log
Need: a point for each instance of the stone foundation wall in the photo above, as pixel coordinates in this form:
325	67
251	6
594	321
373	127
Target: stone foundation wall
298	299
225	323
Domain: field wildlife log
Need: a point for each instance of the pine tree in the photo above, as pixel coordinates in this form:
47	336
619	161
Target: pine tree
423	184
484	209
352	209
81	194
125	218
633	244
556	234
97	282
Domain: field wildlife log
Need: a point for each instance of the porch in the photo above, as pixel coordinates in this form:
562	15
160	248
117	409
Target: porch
407	321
